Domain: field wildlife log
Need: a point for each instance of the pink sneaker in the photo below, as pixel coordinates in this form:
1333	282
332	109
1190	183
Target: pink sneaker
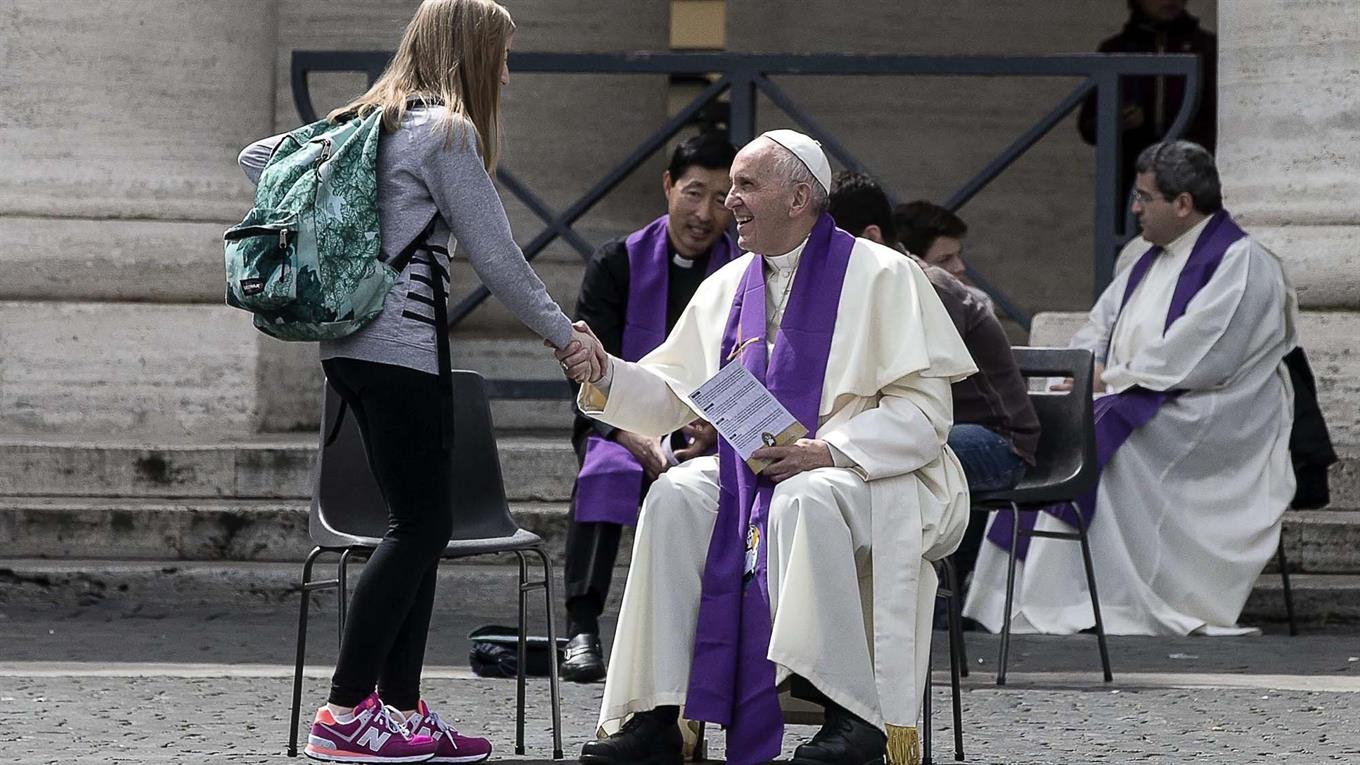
376	734
450	745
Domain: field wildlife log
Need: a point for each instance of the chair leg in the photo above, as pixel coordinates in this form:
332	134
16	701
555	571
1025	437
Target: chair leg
553	680
522	666
1095	599
306	595
958	647
342	595
1010	596
927	709
955	655
700	745
1288	592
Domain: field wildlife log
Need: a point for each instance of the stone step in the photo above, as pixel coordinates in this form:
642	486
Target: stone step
534	467
158	587
515	358
1317	541
1319	599
197	529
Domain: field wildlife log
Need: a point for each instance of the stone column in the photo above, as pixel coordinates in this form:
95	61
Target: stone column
122	125
1288	149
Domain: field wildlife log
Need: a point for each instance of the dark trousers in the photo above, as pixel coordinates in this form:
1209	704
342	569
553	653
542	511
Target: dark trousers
592	551
397	411
989	465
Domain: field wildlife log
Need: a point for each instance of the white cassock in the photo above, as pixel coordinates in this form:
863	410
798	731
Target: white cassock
851	586
1188	510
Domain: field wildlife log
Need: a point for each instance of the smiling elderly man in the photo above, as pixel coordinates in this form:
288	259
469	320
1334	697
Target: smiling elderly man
815	574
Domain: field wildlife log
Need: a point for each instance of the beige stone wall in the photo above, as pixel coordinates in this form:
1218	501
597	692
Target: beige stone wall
1289	109
122	124
1031	230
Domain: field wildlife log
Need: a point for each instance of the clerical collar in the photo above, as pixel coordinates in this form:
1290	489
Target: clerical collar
789	260
684	262
1187	240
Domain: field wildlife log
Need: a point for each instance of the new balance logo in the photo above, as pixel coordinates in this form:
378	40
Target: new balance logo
374	739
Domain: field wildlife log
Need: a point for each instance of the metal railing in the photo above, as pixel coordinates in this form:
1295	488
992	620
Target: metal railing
743	77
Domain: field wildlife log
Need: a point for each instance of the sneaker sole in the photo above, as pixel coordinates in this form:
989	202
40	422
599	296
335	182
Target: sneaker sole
335	755
469	758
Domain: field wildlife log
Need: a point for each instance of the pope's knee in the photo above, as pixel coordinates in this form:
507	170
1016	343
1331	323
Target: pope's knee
673	505
808	497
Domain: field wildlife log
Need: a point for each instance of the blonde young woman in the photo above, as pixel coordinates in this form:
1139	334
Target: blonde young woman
440	97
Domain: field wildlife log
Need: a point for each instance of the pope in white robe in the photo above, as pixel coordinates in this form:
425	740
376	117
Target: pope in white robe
1188	509
850	582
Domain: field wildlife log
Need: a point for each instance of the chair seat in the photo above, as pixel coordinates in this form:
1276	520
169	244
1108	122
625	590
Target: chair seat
456	548
1037	490
1022	495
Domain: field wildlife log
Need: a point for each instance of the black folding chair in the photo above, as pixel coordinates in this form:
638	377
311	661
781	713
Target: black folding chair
952	596
349	518
1283	563
1065	467
950	592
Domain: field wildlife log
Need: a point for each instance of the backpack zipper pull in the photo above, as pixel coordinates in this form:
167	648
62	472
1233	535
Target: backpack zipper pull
283	239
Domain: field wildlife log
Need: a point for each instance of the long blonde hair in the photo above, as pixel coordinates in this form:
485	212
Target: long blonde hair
451	52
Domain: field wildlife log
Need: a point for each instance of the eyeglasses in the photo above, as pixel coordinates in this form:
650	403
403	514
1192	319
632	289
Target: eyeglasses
1143	198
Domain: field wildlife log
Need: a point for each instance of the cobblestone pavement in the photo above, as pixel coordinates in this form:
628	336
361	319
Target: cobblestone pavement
50	719
70	693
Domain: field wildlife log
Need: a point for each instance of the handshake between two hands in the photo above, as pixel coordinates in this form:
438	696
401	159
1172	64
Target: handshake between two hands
583	358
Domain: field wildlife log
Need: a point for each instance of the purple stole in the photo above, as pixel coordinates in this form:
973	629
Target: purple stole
731	681
1117	415
609	486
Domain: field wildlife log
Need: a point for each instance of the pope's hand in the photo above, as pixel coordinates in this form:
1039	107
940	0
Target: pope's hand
647	451
701	436
789	461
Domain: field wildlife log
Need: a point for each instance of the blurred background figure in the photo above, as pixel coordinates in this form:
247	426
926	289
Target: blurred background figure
1150	104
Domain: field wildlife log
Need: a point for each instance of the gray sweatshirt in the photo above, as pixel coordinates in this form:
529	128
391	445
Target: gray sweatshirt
418	177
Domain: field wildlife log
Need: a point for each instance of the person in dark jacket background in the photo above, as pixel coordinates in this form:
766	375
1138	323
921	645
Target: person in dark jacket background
1150	104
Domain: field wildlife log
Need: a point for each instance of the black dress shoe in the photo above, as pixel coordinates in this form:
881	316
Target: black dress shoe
643	740
584	660
843	740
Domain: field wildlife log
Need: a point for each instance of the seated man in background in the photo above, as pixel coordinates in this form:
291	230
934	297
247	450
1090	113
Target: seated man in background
814	573
995	428
1193	429
633	291
934	235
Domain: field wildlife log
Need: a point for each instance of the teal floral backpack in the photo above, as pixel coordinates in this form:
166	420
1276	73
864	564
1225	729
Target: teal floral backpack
306	259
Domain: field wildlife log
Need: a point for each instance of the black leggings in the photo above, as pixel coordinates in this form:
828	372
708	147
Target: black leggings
397	411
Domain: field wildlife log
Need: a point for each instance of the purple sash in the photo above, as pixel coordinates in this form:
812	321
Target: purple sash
731	681
609	486
1117	415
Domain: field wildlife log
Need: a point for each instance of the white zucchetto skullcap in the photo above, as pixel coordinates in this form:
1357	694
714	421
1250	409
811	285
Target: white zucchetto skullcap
807	150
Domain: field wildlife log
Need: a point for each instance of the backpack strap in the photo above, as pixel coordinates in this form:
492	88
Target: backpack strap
442	355
441	329
441	339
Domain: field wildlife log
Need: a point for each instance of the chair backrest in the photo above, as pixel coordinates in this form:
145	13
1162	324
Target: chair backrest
347	506
1066	456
